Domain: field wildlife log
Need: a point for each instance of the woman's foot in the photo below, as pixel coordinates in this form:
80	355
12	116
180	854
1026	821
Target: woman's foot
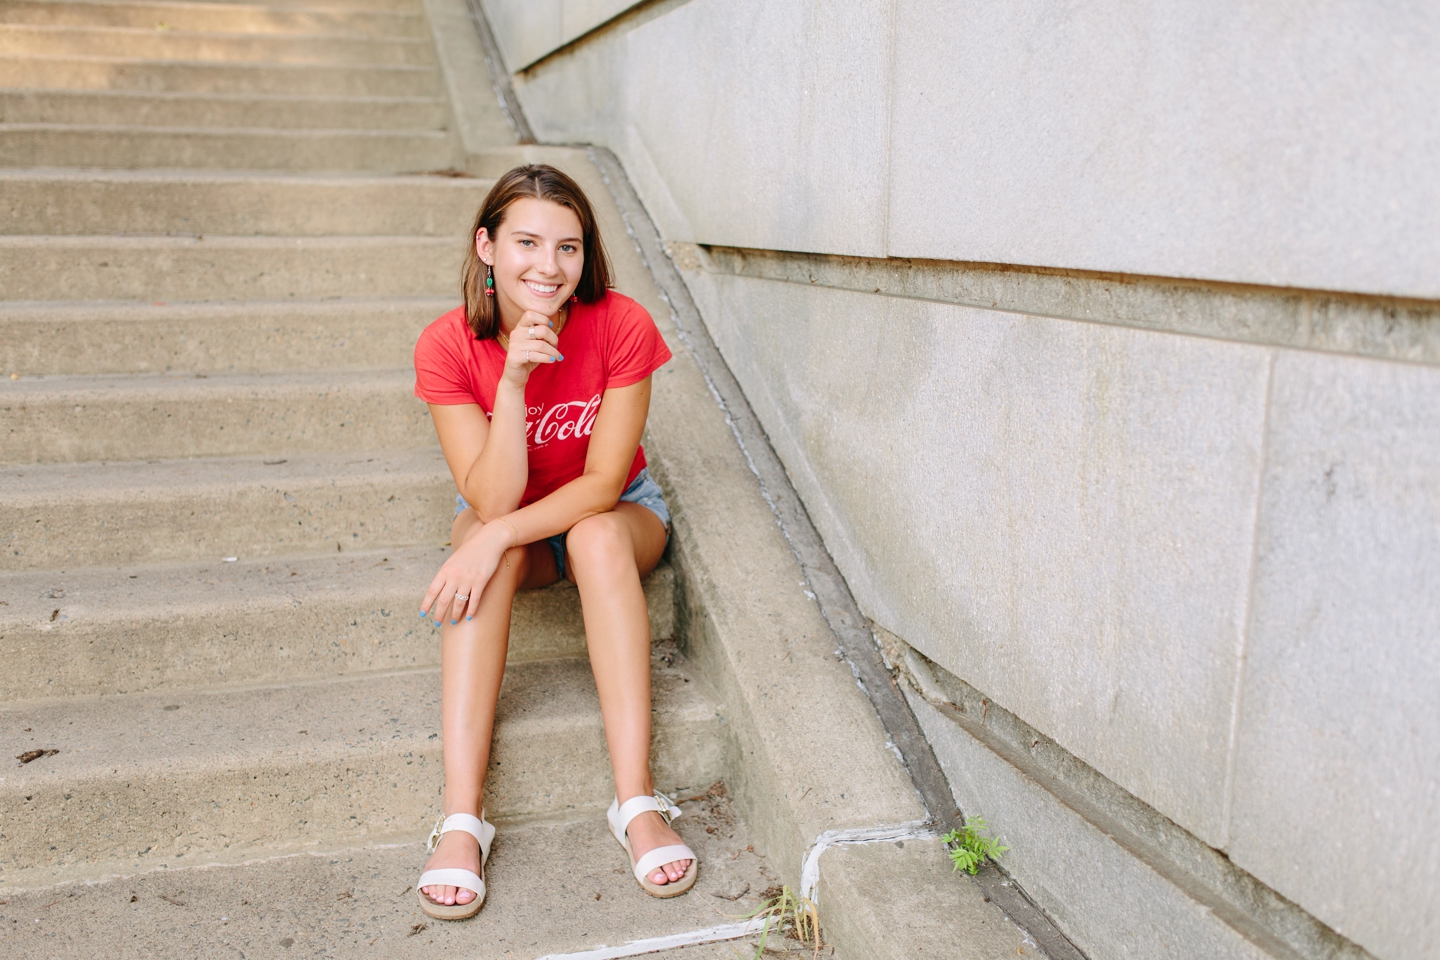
456	849
648	831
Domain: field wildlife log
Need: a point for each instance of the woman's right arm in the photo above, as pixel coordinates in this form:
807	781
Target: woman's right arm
488	457
489	465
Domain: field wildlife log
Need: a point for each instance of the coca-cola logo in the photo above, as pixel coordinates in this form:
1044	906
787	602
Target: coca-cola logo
563	421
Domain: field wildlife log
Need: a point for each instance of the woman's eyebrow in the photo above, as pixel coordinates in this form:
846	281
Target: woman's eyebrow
527	233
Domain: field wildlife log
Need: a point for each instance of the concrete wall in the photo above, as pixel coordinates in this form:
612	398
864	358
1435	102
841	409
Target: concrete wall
1194	538
529	29
1280	143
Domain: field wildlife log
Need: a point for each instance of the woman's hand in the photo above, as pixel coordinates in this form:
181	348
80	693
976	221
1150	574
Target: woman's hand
455	591
532	342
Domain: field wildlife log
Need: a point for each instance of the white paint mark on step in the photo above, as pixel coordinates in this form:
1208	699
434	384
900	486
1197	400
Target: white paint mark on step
809	879
810	867
637	948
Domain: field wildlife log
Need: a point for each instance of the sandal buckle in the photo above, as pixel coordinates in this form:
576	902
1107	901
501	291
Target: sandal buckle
434	840
668	810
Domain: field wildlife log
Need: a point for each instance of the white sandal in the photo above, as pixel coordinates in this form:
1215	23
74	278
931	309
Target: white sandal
620	816
484	833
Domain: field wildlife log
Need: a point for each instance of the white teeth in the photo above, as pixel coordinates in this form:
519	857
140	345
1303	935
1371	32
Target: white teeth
542	287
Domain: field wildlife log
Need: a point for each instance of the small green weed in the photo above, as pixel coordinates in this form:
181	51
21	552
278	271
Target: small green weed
790	914
971	845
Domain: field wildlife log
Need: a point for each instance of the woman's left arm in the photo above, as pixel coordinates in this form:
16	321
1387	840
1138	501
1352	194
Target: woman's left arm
616	434
618	425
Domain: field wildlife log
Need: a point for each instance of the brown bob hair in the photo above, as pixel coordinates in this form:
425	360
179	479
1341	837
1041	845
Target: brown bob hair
542	182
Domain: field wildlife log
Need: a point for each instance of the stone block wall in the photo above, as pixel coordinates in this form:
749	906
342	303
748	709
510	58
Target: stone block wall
1102	343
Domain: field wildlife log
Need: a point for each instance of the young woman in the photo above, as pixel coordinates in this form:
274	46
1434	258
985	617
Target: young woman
539	388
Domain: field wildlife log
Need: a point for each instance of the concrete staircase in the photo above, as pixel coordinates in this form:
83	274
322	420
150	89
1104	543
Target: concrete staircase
223	229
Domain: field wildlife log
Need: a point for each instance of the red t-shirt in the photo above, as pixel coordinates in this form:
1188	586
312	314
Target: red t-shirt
610	343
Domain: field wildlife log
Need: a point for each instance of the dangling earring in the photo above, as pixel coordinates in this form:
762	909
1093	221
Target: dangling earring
575	299
489	281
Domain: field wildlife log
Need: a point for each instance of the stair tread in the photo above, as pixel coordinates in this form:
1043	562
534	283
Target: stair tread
70	202
170	109
22	484
124	733
141	416
123	337
259	66
214	46
241	772
71	176
225	148
98	72
104	630
125	593
158	267
348	901
203	509
139	311
291	133
182	96
247	17
119	32
193	388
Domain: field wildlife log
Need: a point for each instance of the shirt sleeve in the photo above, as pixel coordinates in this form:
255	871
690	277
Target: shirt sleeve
636	347
440	372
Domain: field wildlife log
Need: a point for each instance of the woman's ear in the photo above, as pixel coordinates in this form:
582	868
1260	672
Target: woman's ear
484	246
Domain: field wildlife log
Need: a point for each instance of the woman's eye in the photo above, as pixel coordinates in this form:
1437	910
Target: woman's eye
567	247
527	243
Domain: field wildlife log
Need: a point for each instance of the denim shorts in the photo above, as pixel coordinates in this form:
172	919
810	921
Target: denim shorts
642	490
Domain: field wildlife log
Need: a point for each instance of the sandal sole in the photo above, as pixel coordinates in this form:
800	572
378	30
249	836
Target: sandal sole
441	911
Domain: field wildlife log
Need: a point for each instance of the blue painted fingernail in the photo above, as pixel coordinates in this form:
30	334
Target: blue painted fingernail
562	356
422	614
452	623
467	619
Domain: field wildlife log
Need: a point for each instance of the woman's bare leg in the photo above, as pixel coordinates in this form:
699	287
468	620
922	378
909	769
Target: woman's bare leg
472	664
606	555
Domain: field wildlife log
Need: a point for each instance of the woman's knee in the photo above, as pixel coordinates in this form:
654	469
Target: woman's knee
600	542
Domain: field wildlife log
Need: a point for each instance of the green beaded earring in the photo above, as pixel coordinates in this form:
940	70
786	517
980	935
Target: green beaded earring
489	281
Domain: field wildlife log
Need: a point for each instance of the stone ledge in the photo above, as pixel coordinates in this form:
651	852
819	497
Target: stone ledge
1368	326
979	741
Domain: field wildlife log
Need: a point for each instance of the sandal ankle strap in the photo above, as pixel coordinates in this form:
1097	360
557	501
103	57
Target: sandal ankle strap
622	813
473	825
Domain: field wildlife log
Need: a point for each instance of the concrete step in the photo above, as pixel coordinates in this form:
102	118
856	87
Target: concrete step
221	268
67	202
175	777
221	148
114	514
93	631
19	71
140	108
357	902
253	18
401	6
275	335
150	416
47	41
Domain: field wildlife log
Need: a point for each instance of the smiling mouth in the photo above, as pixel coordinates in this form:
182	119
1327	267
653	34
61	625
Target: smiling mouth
543	289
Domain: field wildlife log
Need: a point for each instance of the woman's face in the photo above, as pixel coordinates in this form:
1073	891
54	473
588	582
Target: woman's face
537	257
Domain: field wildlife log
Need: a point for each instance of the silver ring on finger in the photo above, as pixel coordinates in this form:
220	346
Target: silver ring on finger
527	356
462	597
534	332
